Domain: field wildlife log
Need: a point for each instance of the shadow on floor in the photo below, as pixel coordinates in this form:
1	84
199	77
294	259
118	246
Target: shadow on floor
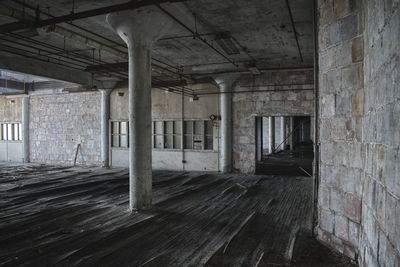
297	163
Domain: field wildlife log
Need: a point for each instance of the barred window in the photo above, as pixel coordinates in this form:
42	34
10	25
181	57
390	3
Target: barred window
167	134
197	134
119	134
10	132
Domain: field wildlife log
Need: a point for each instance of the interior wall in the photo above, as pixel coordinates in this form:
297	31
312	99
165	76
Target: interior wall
359	208
10	109
275	93
59	122
11	112
168	106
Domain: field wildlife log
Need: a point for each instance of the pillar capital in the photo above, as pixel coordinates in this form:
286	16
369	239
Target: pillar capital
107	86
143	25
105	91
225	81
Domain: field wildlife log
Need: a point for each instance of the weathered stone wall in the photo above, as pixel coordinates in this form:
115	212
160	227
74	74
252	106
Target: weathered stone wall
380	233
10	109
260	99
359	129
58	123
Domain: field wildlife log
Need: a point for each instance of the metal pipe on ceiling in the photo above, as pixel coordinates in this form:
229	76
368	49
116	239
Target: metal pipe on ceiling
294	30
197	35
36	58
134	4
253	91
95	43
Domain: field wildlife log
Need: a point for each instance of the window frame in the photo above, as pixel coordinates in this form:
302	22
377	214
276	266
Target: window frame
119	134
11	132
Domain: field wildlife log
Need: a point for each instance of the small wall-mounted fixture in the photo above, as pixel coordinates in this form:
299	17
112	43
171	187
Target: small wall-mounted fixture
194	98
215	117
12	101
120	93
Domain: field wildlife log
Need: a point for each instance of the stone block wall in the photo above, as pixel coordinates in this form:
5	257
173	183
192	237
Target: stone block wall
359	209
58	123
10	109
275	93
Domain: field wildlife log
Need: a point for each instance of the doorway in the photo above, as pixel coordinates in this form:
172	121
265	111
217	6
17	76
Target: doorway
284	145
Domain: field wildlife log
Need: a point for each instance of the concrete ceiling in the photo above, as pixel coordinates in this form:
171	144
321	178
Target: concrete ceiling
261	31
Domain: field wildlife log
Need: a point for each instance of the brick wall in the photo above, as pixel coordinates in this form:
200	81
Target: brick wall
58	123
266	100
359	129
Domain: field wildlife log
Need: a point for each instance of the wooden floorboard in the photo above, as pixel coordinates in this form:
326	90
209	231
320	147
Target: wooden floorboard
65	216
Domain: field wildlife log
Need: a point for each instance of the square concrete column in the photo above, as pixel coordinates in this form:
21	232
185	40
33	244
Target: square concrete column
271	134
140	28
225	83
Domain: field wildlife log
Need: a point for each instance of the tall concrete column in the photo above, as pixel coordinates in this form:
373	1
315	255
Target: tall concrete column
291	138
271	134
25	128
283	136
105	132
139	28
225	83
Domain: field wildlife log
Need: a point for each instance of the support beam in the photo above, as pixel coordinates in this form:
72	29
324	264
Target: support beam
140	28
44	69
271	135
105	132
25	128
225	84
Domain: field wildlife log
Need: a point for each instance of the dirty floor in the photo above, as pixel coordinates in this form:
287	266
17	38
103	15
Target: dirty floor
62	216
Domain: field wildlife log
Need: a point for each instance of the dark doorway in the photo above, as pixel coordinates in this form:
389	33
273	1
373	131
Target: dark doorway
284	145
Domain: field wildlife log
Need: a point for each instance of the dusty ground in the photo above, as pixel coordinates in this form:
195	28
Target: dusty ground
78	216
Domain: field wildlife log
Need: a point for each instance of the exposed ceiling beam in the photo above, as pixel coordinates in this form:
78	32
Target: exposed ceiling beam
15	85
81	15
44	69
29	86
159	84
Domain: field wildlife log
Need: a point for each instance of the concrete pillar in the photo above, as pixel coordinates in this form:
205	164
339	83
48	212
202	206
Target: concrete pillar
105	132
283	136
25	128
291	138
271	134
259	138
225	83
140	28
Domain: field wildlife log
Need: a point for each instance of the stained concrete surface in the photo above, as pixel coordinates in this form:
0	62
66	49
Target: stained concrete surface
79	216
